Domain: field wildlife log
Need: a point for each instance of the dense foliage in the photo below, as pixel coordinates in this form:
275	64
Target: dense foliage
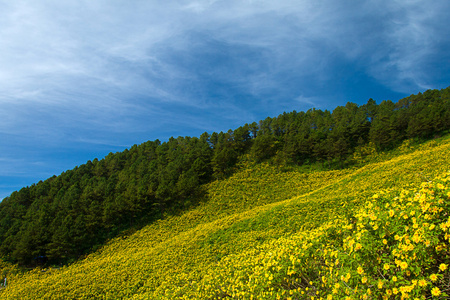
397	246
68	215
270	233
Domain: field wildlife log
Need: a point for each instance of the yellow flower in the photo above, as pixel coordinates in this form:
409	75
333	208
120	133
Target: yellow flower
422	282
433	277
435	291
386	266
364	279
391	213
403	265
443	267
380	284
384	241
394	278
360	270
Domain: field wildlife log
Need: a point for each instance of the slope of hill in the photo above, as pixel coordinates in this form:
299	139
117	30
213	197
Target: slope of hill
58	220
263	233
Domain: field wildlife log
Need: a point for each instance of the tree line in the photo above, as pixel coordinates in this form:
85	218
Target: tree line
69	215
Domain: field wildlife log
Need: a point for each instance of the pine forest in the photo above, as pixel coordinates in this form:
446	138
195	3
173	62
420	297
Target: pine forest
352	203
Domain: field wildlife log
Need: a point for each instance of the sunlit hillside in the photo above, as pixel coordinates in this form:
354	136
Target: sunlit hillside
370	232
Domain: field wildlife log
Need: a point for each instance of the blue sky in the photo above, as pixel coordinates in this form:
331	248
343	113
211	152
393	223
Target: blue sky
80	79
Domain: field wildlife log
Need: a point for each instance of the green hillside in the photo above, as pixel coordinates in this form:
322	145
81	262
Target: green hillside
375	230
63	218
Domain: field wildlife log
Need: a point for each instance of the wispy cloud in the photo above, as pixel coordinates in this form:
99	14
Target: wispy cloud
103	49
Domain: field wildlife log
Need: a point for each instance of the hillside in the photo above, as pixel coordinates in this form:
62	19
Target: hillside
63	218
267	232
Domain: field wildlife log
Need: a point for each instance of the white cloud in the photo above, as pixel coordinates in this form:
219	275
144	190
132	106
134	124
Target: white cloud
96	56
312	101
104	47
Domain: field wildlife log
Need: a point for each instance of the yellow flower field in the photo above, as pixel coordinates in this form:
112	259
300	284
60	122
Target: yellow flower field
374	232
